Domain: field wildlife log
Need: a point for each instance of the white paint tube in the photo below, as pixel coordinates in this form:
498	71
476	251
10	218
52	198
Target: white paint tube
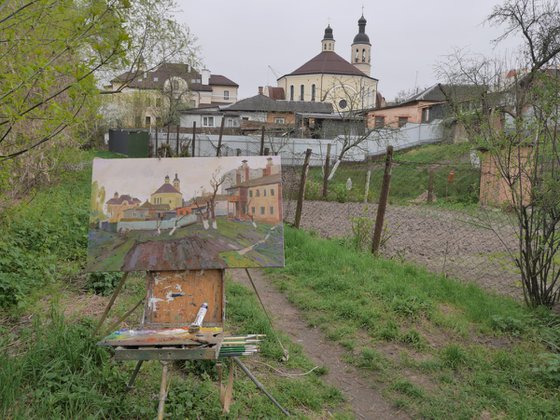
200	315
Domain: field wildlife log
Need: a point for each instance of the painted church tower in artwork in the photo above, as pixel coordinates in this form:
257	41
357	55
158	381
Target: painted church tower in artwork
361	49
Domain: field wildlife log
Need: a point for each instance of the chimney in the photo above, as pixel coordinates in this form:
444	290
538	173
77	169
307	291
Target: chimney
205	74
246	168
260	90
268	169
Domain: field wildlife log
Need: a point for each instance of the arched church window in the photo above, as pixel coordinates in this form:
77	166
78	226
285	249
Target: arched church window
301	92
357	55
313	92
363	55
291	92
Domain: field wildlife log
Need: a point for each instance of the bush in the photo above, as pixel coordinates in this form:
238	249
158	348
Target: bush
103	283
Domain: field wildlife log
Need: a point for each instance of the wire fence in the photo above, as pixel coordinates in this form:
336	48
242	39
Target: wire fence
451	237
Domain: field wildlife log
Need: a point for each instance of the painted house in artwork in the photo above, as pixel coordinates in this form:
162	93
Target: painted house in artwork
146	211
117	205
168	194
257	198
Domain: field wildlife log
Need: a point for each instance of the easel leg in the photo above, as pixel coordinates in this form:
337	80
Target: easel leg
227	395
134	375
259	385
111	302
125	316
162	391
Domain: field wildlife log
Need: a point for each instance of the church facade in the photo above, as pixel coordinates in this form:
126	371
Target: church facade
328	77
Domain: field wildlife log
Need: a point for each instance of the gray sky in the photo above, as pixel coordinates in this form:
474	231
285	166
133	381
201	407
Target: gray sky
241	38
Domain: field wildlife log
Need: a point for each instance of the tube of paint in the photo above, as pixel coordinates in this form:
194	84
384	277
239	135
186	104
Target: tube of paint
200	315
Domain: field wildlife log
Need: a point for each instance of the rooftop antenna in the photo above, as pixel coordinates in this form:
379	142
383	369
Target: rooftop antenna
362	9
416	82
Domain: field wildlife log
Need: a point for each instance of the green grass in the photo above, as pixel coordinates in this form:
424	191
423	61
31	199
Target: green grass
53	368
472	353
409	177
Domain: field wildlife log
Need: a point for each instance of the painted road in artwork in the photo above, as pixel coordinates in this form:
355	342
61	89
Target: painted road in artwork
185	214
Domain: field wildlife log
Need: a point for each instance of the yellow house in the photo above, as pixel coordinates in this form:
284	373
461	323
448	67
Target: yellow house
328	77
168	194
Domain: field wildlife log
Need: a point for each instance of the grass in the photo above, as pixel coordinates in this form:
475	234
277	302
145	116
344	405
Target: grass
53	368
439	347
409	177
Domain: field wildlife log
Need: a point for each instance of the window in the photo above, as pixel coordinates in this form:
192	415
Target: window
148	121
279	120
226	95
364	55
342	104
313	93
251	193
356	55
271	210
379	121
291	92
258	193
425	115
301	92
208	121
155	79
264	192
272	192
402	121
262	210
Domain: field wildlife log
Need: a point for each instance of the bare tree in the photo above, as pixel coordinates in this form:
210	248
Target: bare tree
514	114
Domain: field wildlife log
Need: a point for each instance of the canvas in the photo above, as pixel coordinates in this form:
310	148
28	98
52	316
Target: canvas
185	214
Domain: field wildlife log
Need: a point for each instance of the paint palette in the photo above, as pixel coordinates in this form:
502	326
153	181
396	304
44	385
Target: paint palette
163	337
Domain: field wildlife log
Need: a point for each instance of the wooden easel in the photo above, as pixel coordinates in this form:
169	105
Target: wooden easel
172	301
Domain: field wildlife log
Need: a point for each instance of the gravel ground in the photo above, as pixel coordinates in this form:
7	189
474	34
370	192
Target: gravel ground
444	241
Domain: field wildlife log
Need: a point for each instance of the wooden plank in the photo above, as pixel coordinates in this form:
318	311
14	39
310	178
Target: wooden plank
166	336
165	354
174	298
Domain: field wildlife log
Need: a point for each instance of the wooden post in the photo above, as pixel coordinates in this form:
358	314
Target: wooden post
383	196
326	174
266	151
219	149
156	153
366	193
262	142
177	145
162	391
193	137
430	198
301	195
238	152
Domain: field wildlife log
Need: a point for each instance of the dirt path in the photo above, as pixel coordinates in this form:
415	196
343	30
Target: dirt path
443	241
361	392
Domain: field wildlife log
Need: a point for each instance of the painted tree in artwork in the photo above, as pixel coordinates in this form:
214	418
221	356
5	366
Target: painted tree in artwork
97	201
215	182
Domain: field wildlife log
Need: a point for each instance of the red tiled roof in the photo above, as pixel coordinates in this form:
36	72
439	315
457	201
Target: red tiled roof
328	62
167	188
122	198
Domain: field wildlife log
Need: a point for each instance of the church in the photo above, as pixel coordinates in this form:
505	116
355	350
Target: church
328	77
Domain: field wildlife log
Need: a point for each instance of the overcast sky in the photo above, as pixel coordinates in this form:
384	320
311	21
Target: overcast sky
240	39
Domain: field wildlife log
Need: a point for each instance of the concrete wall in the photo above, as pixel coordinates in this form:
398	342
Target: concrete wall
293	150
153	224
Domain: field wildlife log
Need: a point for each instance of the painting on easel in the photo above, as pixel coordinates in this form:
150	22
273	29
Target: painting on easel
185	214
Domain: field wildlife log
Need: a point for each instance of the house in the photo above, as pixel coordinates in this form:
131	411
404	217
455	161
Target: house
252	113
259	198
328	77
145	98
423	107
168	194
117	205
